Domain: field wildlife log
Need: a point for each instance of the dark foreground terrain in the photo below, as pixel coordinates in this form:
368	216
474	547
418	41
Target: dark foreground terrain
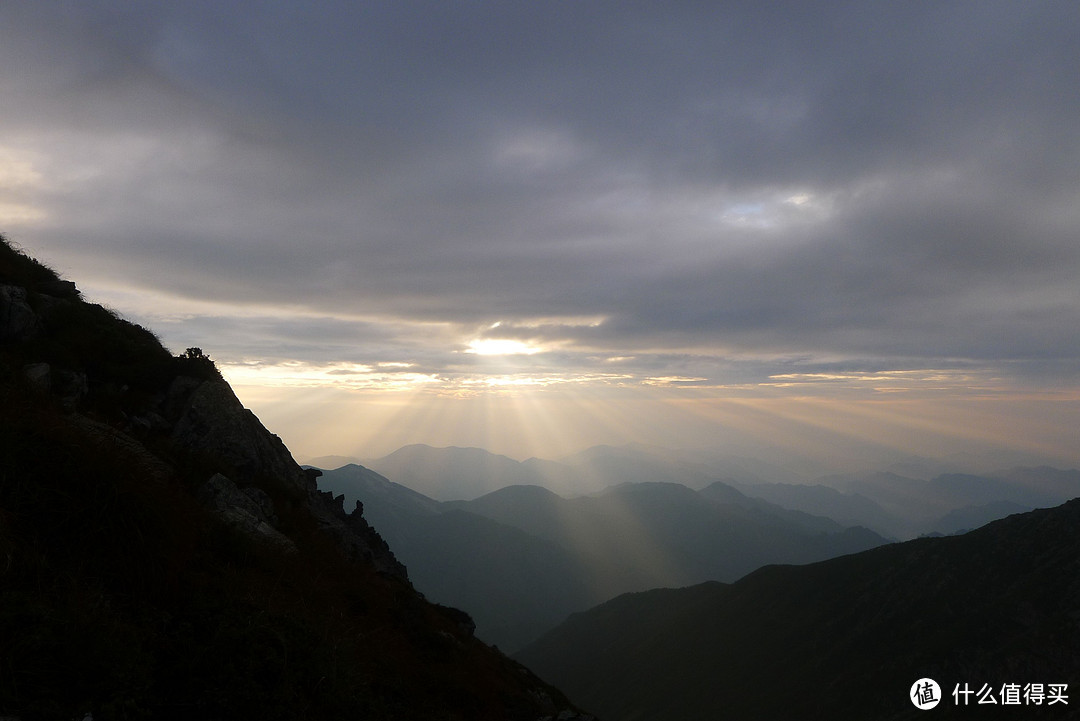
162	556
844	638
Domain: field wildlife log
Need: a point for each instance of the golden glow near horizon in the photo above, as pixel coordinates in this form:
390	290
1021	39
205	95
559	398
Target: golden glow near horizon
832	419
501	346
514	387
381	376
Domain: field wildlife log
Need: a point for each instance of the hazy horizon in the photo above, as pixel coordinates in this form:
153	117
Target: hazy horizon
786	467
839	232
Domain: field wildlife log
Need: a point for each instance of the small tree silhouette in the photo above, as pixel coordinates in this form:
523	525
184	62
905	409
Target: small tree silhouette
195	363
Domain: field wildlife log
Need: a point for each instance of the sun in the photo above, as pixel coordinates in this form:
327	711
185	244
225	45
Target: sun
500	346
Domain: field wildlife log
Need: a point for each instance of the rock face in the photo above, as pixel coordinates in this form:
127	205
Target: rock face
352	531
249	511
211	420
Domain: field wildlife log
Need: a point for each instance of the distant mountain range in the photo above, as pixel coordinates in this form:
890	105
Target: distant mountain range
904	507
890	503
844	638
522	558
451	474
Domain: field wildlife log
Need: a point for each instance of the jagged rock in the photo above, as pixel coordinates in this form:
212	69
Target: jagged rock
353	533
59	288
243	511
212	421
18	321
310	476
351	530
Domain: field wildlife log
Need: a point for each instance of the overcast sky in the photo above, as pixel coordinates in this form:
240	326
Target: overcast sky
355	206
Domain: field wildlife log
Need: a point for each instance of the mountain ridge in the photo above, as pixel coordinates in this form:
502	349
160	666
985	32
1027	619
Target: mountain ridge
162	555
628	537
841	638
886	501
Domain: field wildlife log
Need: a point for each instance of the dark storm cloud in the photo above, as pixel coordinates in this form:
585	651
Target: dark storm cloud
865	180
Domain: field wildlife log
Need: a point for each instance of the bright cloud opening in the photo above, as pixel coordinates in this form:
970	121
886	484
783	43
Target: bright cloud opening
501	346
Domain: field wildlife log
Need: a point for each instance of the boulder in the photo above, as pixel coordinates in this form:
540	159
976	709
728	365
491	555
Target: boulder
18	321
263	502
67	385
245	512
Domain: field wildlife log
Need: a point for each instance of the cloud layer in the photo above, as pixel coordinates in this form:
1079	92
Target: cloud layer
708	195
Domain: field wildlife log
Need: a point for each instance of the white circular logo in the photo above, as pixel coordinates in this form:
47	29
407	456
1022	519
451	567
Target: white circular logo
925	694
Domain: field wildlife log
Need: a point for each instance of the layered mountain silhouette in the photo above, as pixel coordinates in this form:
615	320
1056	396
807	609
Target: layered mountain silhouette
163	556
905	507
522	558
844	638
897	505
450	474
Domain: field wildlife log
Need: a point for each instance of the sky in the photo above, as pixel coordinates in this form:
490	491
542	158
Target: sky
849	230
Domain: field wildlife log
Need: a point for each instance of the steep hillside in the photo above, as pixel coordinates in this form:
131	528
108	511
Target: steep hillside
522	558
514	584
163	556
844	638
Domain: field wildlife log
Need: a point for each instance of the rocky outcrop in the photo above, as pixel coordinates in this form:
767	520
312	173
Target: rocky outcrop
67	386
199	418
210	420
249	511
17	319
351	530
59	288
